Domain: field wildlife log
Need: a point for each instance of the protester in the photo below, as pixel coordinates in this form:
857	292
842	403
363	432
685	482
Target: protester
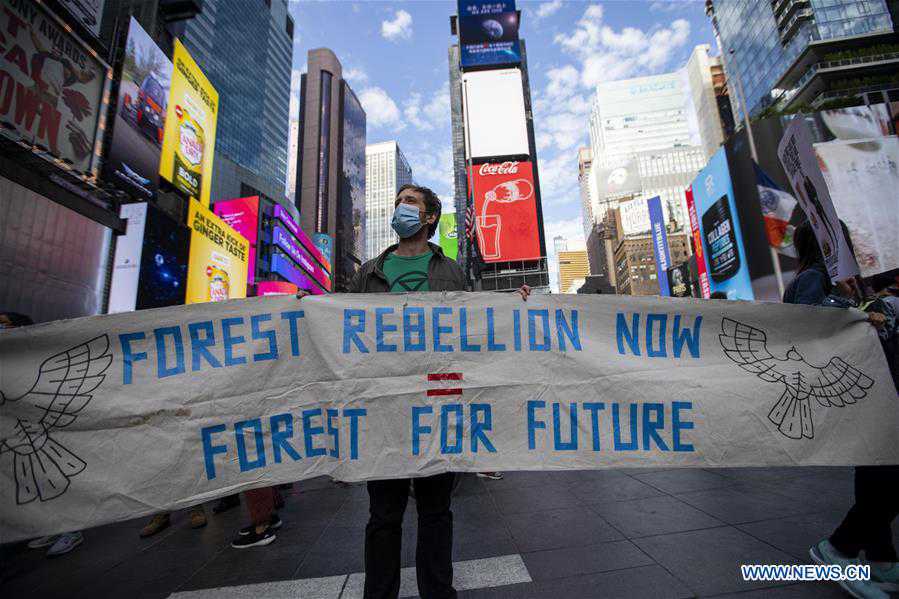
226	503
867	526
413	264
57	544
160	522
261	504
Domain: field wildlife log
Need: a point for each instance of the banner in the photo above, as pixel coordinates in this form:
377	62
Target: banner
51	84
114	417
798	158
659	244
217	267
705	288
506	207
189	140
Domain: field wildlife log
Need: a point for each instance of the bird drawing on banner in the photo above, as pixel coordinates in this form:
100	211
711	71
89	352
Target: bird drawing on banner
63	387
834	385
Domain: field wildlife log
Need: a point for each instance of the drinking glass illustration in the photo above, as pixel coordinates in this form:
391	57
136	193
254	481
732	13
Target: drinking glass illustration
490	225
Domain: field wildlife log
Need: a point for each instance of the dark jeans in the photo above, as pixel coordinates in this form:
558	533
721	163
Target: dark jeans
384	536
867	526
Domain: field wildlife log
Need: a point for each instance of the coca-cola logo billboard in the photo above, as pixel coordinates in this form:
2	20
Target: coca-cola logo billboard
505	202
503	168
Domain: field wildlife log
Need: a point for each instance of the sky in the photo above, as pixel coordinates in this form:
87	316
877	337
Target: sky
394	56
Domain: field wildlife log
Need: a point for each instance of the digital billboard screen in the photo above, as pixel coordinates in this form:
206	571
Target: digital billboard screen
495	120
324	245
659	244
242	215
51	84
612	182
311	247
133	161
505	211
448	235
188	143
284	267
264	288
217	267
488	33
126	264
719	230
164	262
285	241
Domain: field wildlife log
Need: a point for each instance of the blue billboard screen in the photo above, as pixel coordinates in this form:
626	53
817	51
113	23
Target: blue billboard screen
719	229
660	244
488	33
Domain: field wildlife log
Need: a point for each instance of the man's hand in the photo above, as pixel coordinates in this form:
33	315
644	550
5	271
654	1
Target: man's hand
524	292
301	293
877	319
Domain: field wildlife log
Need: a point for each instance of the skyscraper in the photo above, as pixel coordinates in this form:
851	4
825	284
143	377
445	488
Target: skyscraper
245	50
330	183
386	170
702	92
573	266
792	53
584	161
292	151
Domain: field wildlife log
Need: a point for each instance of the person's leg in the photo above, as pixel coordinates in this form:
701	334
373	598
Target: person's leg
434	553
157	523
867	526
197	516
261	505
226	503
384	537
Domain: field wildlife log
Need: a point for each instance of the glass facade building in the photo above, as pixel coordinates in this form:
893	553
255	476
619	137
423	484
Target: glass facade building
245	48
386	170
766	37
351	201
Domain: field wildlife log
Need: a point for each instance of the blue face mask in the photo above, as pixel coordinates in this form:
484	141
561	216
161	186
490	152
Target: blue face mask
406	220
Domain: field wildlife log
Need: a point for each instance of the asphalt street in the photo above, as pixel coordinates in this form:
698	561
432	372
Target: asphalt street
615	533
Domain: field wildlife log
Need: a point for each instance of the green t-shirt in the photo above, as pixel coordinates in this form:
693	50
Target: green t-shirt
407	273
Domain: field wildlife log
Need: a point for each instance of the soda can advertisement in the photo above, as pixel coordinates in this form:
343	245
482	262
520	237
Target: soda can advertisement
217	264
189	140
505	211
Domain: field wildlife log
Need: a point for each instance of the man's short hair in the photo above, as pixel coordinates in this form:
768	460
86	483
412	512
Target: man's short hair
432	204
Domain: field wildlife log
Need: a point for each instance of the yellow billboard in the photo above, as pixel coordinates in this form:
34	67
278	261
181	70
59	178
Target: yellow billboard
217	266
189	141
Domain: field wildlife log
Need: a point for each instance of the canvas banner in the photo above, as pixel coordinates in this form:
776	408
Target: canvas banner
113	417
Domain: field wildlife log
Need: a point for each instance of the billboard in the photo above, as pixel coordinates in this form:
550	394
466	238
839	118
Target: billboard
801	165
495	120
719	230
612	182
698	252
286	242
284	267
308	245
863	178
488	33
634	216
51	85
448	236
659	244
242	215
275	288
189	141
133	160
150	266
217	266
87	12
505	211
126	264
324	245
679	280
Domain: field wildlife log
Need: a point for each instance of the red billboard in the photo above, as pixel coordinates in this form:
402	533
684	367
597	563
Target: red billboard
697	245
505	204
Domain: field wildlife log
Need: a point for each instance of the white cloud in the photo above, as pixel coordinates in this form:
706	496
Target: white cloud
433	167
380	109
431	114
355	75
562	81
399	28
673	5
548	8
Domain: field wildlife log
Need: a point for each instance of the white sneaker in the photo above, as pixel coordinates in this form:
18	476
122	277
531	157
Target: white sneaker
65	543
43	542
826	554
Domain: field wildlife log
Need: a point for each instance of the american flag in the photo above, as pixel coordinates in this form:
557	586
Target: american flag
469	222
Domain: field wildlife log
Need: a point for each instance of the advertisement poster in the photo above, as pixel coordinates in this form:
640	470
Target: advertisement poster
275	288
495	118
189	140
284	267
616	181
242	215
163	262
719	230
659	244
679	280
308	245
133	161
286	242
126	264
324	245
506	211
51	84
217	267
448	235
863	179
704	286
488	32
634	216
88	12
800	163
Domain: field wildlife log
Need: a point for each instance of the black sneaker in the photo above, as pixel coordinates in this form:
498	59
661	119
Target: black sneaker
254	539
273	524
